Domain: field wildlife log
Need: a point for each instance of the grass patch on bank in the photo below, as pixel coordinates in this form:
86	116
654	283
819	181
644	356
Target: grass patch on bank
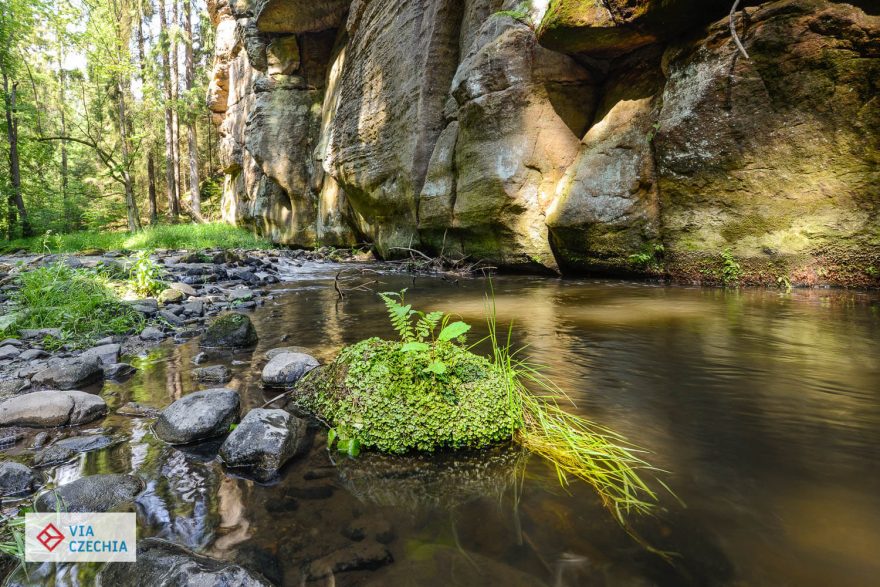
166	236
80	302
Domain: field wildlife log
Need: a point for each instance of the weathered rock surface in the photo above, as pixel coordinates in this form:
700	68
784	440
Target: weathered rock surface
49	408
69	373
17	480
623	136
213	374
66	448
199	416
96	493
163	563
264	440
230	330
285	369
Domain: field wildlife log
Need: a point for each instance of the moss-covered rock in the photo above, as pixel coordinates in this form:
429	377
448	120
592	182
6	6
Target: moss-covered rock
381	395
230	330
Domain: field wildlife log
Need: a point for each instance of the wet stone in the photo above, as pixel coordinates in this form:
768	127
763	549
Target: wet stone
107	354
17	480
163	563
118	371
96	493
213	374
9	352
137	410
265	440
230	330
285	369
198	416
170	318
67	448
366	555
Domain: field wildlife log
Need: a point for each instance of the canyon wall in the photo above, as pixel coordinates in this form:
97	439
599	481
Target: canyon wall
573	136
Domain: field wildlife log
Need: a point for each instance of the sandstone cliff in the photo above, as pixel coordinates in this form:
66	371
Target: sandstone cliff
605	136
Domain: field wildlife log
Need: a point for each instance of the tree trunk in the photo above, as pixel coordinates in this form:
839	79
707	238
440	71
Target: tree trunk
134	221
15	201
65	204
175	98
170	177
151	168
195	200
151	187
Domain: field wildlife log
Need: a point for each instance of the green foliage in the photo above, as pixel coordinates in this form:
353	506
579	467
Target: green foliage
520	13
146	275
78	301
730	268
170	236
382	397
12	535
649	256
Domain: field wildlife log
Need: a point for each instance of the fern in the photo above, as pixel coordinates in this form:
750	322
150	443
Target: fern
400	315
427	323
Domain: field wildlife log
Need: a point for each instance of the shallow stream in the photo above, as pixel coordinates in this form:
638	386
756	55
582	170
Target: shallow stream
763	406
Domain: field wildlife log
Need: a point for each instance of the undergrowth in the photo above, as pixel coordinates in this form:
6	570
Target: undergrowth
166	236
79	302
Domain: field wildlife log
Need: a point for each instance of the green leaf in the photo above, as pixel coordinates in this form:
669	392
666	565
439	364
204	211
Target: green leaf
414	346
436	367
354	447
453	330
331	437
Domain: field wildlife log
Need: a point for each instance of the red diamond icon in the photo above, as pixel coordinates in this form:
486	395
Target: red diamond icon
50	537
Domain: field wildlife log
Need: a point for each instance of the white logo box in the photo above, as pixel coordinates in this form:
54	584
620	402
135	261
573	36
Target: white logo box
80	537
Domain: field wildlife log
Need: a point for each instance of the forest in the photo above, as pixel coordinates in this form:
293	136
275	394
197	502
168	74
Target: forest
104	125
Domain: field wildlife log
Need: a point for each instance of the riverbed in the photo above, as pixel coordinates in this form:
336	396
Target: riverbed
761	406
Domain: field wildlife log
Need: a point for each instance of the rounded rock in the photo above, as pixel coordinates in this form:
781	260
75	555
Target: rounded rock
199	416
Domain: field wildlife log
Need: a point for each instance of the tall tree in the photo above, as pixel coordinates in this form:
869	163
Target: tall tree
15	16
170	165
175	96
192	144
151	168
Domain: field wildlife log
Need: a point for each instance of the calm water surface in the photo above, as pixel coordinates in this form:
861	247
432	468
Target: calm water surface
763	406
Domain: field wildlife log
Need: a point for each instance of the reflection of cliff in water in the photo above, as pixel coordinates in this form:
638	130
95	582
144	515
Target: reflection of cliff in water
432	482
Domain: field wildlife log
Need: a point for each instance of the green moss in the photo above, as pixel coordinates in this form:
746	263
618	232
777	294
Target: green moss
382	396
230	330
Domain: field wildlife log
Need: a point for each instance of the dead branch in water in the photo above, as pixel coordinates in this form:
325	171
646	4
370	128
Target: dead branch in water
733	32
349	275
446	267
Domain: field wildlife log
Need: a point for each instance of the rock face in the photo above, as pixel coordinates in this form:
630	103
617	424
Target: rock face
199	416
96	493
162	563
622	136
264	440
46	409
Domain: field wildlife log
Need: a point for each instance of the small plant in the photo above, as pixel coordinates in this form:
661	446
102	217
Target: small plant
145	275
12	535
784	282
872	271
655	128
520	13
423	336
649	256
730	268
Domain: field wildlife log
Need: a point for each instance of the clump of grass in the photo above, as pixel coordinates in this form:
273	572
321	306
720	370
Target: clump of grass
12	536
575	446
171	236
79	302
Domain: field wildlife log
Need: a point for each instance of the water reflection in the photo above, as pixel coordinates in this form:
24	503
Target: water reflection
763	405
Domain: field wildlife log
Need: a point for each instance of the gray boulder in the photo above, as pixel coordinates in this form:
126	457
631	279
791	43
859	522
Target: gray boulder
163	563
184	288
265	440
8	352
171	295
148	307
107	354
31	354
285	369
45	409
69	374
96	493
198	416
152	333
66	448
118	371
17	480
230	330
